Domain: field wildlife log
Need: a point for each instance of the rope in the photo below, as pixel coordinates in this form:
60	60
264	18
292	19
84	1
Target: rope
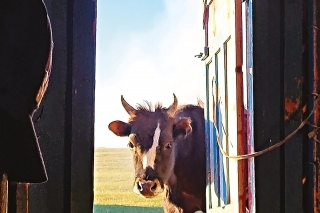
278	144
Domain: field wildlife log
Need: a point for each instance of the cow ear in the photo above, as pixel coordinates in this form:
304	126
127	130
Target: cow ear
182	127
120	128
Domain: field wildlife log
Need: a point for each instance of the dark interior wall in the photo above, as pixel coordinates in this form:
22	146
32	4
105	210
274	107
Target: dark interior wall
66	124
268	116
280	94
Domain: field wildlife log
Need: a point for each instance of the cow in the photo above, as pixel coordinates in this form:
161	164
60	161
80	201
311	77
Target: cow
168	148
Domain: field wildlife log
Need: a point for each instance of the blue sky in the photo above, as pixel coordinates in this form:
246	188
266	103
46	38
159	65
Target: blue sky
145	51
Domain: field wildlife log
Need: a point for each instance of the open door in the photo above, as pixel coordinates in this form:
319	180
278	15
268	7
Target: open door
220	107
228	105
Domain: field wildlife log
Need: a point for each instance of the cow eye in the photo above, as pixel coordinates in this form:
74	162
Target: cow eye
131	146
168	146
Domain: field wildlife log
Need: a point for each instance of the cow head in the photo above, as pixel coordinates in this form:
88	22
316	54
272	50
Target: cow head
151	134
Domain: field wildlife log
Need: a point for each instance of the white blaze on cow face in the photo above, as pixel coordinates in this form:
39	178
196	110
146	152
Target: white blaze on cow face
150	156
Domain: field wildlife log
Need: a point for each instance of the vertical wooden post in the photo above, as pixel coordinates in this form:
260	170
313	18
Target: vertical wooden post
313	177
242	145
4	194
17	197
22	197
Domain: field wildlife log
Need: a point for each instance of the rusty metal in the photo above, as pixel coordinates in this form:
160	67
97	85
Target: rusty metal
4	194
242	165
313	8
291	106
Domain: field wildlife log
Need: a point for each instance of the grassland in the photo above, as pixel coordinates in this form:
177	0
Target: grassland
113	179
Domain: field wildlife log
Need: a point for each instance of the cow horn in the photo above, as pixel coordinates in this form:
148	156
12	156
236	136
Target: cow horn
130	110
173	108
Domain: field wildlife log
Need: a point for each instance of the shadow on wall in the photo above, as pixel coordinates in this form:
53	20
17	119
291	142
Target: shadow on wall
125	209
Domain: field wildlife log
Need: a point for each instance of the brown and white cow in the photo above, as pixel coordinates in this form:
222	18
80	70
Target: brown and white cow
168	148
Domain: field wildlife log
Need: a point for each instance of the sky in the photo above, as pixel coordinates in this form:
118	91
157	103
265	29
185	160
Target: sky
145	51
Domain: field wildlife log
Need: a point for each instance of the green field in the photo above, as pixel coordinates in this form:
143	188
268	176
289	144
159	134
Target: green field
113	180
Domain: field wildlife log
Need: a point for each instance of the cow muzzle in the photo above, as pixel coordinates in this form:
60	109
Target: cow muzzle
147	188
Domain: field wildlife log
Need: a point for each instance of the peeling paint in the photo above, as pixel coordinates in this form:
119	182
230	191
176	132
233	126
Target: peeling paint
290	106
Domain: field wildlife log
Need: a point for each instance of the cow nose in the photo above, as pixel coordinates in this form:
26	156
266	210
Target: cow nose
147	186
